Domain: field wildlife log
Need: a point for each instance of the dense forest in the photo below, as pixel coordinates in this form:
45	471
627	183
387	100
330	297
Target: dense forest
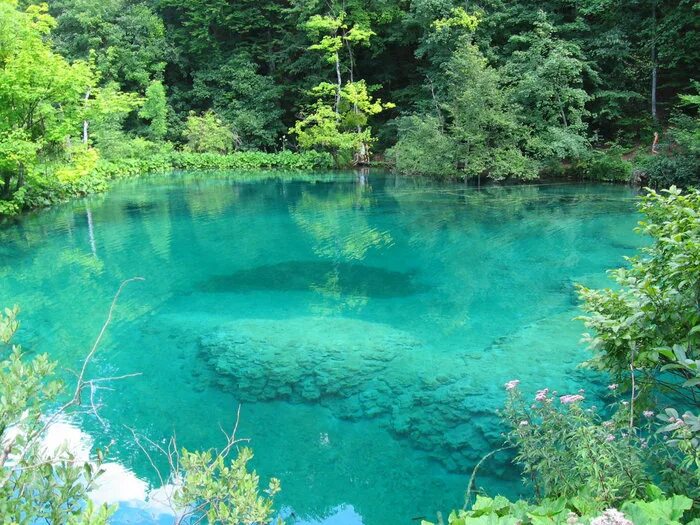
489	89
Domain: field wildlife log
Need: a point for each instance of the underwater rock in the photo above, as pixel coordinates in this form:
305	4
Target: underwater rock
307	359
444	403
355	368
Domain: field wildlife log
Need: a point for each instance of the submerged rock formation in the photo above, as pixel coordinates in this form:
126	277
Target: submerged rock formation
358	370
306	359
445	403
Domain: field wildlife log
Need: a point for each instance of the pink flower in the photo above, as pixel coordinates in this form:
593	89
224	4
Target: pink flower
612	387
512	384
648	414
609	438
542	395
570	399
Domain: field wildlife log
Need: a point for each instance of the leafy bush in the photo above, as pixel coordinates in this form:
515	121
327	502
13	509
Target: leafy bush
647	330
566	450
248	160
87	174
664	170
605	166
656	509
208	134
424	149
650	324
678	160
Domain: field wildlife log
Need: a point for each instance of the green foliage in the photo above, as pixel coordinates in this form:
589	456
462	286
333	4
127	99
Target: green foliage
665	510
605	165
83	176
678	159
208	134
224	492
246	100
250	160
482	122
332	33
544	79
155	110
566	450
459	18
424	148
576	511
476	132
105	113
124	39
651	321
37	483
40	93
340	132
646	330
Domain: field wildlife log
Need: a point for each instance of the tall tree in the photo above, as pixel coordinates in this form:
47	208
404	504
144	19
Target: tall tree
544	76
126	39
41	93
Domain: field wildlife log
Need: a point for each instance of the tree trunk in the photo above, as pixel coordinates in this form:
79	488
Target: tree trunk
20	176
7	178
86	125
563	114
654	65
340	84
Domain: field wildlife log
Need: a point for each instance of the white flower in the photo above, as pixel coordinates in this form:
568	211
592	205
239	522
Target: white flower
611	517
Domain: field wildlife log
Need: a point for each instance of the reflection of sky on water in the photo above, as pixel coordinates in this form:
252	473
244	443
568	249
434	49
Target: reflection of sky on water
139	503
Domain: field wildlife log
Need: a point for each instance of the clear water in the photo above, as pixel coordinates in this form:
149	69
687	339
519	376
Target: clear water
366	324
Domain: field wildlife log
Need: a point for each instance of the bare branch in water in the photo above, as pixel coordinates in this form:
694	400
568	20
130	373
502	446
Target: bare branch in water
75	400
172	455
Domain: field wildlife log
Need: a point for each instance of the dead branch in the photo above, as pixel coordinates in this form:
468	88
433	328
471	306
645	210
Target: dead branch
75	399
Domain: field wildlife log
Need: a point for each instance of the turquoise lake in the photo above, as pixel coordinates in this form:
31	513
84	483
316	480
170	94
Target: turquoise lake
366	324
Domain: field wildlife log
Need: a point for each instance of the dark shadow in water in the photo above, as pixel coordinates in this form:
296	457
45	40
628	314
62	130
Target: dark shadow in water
350	279
137	208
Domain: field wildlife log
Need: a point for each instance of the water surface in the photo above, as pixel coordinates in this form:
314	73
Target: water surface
366	324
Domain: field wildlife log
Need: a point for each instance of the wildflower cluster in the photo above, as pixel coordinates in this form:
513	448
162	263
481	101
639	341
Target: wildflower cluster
565	448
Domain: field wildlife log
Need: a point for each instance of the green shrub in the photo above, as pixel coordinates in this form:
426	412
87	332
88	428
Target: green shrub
664	170
424	149
86	175
605	166
567	450
655	509
209	134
